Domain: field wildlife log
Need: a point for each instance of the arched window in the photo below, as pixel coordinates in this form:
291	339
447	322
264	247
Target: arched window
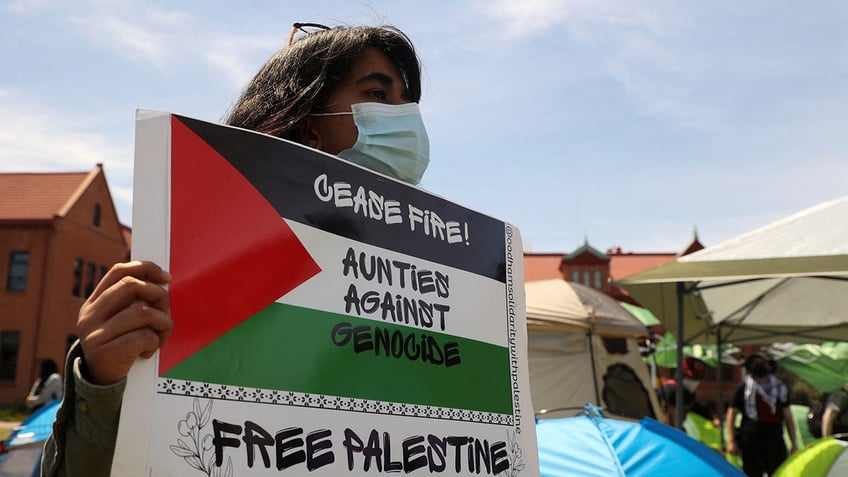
598	276
575	276
587	278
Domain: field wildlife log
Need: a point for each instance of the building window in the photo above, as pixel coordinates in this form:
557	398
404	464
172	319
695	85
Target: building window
96	220
77	288
575	276
18	271
586	278
9	344
90	279
598	279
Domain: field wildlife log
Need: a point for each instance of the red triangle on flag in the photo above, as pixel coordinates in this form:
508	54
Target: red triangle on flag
231	252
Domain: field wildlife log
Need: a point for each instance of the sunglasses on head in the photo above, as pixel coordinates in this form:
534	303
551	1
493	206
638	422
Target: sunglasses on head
305	28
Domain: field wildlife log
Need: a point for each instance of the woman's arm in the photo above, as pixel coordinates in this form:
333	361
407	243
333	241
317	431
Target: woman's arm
127	316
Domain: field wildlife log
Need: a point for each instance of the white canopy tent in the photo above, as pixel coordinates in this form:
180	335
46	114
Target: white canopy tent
583	347
786	281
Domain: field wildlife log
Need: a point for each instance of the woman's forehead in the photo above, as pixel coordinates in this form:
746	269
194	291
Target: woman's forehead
373	63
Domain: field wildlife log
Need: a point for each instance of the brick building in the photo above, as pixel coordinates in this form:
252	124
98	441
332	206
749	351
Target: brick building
59	234
590	267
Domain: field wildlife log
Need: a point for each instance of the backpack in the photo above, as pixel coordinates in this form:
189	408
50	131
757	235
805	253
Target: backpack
814	416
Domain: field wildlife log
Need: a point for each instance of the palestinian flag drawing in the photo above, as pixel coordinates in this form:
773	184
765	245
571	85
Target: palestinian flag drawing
304	281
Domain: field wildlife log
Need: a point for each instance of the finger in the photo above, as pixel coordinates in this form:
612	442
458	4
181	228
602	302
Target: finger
111	362
143	270
136	317
122	295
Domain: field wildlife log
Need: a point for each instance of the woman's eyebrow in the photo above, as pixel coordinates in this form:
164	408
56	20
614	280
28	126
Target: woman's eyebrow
383	78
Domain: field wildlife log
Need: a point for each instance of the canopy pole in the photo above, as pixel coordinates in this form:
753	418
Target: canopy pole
720	401
589	335
678	375
652	352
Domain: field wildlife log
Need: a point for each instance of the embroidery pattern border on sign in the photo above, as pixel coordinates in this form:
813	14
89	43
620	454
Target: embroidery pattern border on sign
320	401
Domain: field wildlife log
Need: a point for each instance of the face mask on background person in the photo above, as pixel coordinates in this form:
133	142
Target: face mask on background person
392	140
759	370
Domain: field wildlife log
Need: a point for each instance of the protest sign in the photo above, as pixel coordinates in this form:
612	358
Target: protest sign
327	319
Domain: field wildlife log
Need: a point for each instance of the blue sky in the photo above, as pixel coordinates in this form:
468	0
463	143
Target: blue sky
627	123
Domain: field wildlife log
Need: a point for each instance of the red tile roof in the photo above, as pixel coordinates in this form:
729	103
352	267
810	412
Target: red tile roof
630	263
39	196
541	266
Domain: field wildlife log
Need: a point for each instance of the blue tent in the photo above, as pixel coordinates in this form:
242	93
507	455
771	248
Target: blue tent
21	451
591	445
37	427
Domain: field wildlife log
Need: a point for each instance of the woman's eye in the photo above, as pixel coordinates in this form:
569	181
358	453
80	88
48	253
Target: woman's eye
378	93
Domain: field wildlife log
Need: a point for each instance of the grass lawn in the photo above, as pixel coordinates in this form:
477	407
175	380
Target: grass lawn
10	416
5	431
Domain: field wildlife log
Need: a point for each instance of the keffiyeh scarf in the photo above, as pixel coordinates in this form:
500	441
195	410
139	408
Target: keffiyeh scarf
772	392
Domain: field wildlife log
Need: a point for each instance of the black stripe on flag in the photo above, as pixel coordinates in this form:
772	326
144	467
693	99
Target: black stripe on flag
285	173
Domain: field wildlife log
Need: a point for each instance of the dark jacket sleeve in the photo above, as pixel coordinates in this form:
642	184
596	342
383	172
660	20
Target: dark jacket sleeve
83	440
738	400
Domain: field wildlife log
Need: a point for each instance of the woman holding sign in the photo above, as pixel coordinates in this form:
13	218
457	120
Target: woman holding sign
348	91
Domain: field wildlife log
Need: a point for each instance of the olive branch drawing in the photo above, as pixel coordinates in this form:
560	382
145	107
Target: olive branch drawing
194	444
514	450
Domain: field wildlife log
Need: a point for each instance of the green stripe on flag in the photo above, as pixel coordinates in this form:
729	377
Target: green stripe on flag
290	348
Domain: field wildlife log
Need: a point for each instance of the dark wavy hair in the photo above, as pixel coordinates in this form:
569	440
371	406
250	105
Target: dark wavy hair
300	77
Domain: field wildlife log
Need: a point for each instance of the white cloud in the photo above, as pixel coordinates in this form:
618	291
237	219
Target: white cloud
529	16
235	57
170	40
29	7
662	82
133	29
40	139
635	45
533	17
34	138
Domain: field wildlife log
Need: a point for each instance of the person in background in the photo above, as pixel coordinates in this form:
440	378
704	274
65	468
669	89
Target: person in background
835	417
348	91
667	399
693	373
48	386
762	399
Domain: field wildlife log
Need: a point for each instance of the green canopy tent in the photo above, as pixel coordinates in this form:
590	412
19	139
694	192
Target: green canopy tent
644	315
787	281
824	366
665	353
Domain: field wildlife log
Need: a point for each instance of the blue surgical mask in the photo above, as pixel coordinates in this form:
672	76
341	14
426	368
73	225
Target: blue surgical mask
392	140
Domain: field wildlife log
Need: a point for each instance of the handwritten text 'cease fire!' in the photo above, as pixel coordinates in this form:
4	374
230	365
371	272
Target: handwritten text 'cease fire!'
374	206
